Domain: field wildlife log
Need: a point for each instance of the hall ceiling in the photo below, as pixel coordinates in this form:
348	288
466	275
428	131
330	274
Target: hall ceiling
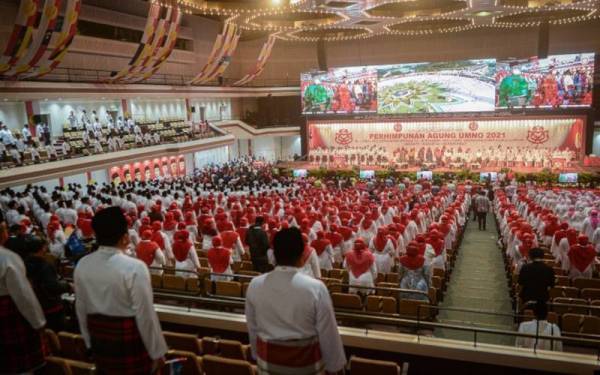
311	20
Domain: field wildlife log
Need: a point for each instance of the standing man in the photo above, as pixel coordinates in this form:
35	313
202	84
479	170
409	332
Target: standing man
21	316
482	205
114	303
536	278
290	317
258	242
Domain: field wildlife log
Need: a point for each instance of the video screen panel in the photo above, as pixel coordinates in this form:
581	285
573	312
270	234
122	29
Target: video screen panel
366	174
424	175
341	90
488	176
557	81
300	173
568	178
458	86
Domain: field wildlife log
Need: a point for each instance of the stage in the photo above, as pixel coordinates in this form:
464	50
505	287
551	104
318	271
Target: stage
573	168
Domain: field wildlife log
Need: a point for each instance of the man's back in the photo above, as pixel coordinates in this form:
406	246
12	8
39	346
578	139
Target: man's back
535	278
482	203
257	240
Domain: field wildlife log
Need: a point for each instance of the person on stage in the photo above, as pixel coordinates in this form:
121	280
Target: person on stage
114	303
281	342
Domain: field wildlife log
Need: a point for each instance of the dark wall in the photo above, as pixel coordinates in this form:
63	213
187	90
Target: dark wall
277	111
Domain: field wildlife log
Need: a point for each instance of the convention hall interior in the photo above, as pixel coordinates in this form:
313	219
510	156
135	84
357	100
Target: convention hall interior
299	187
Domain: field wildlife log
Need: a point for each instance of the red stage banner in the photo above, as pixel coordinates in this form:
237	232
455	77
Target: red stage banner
443	142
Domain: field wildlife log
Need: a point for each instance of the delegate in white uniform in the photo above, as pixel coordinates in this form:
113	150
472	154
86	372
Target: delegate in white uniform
110	283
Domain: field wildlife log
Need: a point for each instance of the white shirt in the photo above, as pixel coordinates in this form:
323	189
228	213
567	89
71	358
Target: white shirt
110	283
14	283
26	133
287	305
545	329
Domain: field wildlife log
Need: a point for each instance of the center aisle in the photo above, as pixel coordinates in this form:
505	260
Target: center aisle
478	282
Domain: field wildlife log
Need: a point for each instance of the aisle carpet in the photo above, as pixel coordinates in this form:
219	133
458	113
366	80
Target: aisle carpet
478	282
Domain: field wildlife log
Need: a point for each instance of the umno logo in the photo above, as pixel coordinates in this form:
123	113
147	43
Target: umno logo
343	137
398	127
473	126
538	135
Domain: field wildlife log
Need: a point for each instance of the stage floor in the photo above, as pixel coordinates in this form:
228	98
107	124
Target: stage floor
578	168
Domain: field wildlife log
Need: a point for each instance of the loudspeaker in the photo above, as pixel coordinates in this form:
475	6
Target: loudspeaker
193	109
321	55
543	40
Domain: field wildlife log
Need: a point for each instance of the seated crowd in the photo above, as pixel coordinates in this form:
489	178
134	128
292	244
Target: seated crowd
89	135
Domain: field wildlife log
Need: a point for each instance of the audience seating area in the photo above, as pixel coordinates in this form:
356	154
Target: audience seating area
171	130
67	355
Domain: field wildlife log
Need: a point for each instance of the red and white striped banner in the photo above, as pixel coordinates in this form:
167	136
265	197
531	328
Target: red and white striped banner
263	57
18	41
40	40
162	50
145	44
63	41
220	56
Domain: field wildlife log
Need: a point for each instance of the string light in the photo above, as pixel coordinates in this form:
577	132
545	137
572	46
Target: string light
341	24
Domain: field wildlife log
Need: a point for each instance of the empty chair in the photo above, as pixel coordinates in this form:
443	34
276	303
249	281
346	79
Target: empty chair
210	345
173	282
52	342
595	307
213	365
439	273
386	293
346	301
572	323
590	293
192	285
190	366
228	288
233	349
387	305
413	308
183	341
392	278
363	366
246	266
581	283
591	325
156	281
72	346
561	280
564	291
570	306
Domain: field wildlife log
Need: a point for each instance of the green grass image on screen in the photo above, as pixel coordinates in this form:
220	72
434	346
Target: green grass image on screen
414	97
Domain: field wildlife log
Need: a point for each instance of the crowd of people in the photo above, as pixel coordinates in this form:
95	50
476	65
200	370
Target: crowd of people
446	156
294	228
94	136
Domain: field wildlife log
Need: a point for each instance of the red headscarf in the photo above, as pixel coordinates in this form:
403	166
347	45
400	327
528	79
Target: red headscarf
572	234
181	245
53	227
359	259
526	245
561	233
218	256
157	235
412	260
436	241
146	249
307	249
582	254
381	239
229	238
321	243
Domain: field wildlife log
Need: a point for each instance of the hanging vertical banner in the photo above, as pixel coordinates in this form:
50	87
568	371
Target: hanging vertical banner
263	57
144	45
63	42
18	41
149	52
39	41
164	50
220	56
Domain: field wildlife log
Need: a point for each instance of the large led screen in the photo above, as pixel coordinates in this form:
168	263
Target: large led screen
343	90
456	86
459	86
561	80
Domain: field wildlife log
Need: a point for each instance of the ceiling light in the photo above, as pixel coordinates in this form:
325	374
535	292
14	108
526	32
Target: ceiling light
483	13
